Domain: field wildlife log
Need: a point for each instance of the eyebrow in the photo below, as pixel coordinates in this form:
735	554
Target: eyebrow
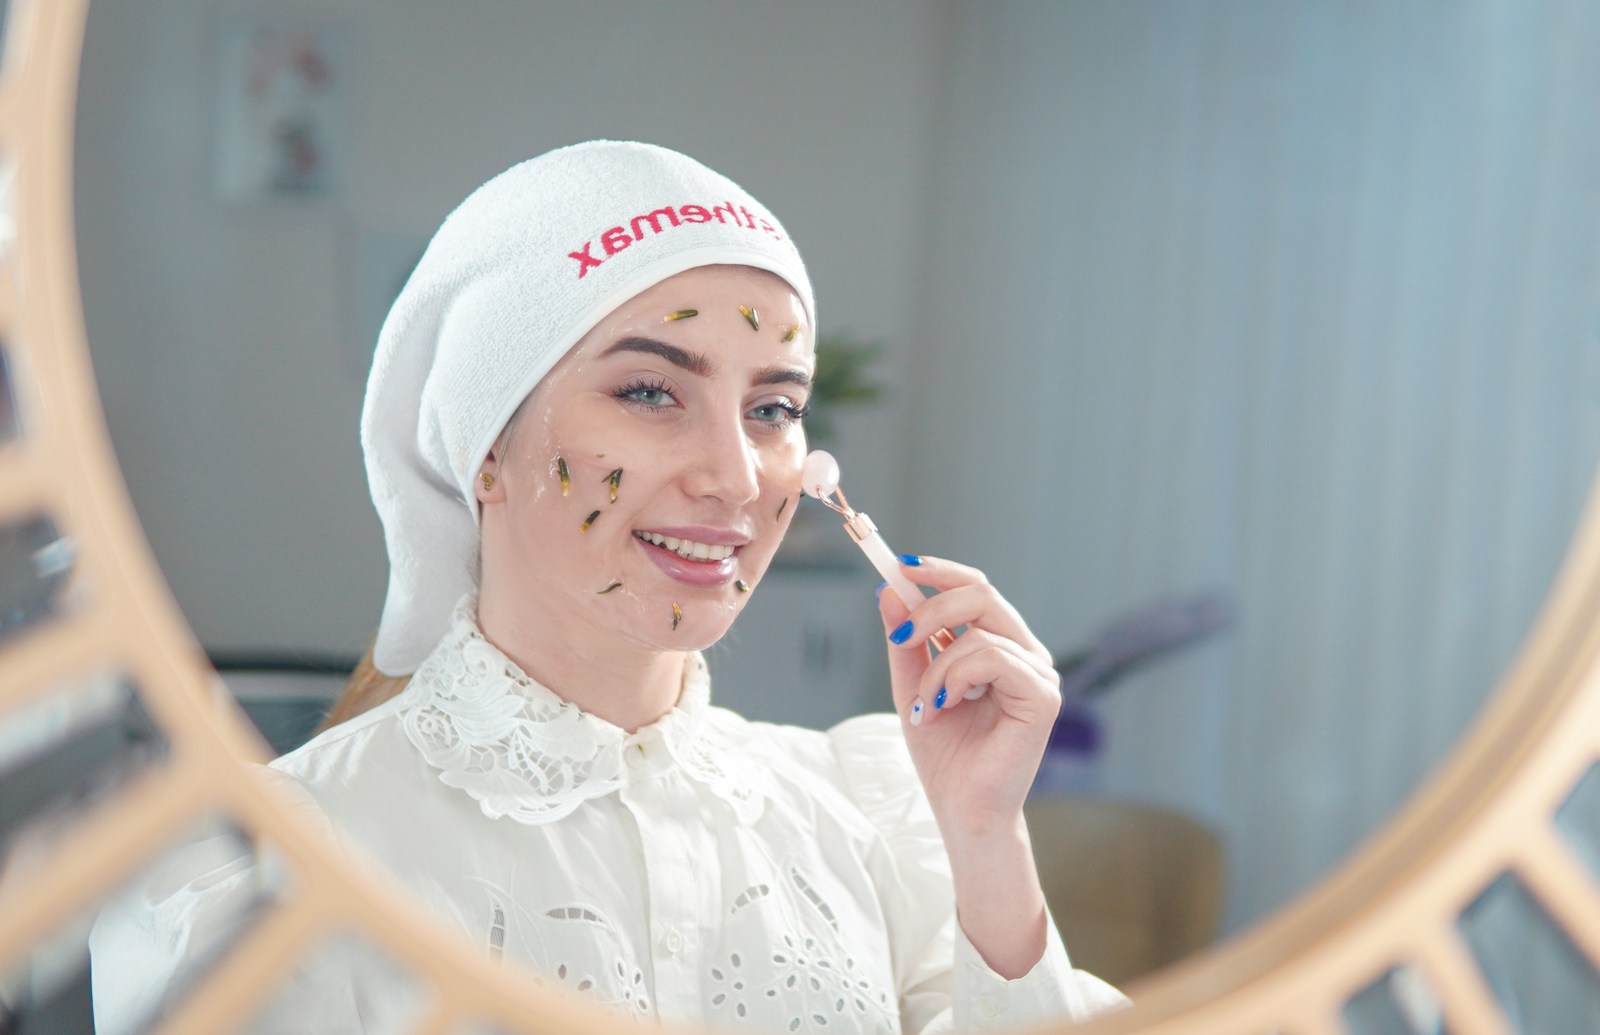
693	362
700	365
781	376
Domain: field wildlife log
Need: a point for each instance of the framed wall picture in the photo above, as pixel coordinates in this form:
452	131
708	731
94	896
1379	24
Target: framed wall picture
281	128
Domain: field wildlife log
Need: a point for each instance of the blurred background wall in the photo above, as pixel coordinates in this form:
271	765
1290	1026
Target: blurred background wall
233	340
1297	301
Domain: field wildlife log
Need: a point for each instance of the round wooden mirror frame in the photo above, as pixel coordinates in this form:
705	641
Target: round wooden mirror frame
1490	809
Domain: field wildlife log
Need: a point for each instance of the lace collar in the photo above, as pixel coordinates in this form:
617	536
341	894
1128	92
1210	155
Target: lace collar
523	752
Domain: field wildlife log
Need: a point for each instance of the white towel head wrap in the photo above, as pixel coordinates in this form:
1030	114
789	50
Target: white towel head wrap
527	265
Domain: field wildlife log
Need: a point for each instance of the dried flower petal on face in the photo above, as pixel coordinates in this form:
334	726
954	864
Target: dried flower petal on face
615	478
561	472
741	585
677	615
589	521
614	585
791	332
681	314
785	503
751	315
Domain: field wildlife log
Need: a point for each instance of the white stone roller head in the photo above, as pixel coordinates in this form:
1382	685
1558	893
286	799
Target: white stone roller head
819	476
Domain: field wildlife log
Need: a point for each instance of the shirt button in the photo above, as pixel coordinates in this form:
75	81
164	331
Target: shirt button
636	755
988	1005
672	942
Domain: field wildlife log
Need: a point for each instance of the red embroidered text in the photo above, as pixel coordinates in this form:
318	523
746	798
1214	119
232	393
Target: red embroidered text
594	253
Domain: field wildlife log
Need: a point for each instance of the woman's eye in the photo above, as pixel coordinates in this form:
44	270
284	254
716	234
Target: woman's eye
646	393
780	413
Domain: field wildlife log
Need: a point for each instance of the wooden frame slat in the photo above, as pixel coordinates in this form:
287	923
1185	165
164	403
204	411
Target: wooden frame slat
245	979
1564	886
97	854
1469	1007
50	656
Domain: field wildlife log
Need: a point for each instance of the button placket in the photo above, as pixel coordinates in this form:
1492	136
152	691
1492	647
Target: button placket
681	886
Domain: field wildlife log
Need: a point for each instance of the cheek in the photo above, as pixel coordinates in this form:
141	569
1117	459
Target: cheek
782	464
781	474
606	467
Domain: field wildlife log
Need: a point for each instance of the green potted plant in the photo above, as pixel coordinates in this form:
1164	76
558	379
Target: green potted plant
842	379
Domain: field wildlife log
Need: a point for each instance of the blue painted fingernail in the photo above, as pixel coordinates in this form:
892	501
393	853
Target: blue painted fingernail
881	587
938	698
901	634
911	560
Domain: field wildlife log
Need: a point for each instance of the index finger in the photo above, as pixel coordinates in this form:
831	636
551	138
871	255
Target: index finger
982	605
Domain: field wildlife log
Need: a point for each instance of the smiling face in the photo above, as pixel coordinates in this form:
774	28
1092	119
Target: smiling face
646	483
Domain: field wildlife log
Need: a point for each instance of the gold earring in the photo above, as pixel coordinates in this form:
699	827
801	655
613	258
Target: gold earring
488	481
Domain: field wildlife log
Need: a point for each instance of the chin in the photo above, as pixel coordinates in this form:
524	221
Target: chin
682	640
651	629
700	642
697	635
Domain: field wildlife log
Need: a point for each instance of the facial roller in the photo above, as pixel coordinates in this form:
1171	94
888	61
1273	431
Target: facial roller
819	477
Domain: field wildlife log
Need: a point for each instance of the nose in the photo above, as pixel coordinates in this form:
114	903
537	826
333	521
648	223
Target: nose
725	465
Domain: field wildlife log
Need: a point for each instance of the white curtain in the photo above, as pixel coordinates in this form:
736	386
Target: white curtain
1294	300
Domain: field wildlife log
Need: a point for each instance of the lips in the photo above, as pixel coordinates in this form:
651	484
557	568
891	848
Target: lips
695	556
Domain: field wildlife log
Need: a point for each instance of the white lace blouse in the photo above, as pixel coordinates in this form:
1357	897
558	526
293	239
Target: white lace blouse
703	870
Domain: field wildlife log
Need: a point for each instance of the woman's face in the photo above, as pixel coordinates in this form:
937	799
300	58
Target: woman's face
649	478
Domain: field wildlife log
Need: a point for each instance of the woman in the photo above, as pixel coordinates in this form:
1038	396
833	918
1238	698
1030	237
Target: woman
583	437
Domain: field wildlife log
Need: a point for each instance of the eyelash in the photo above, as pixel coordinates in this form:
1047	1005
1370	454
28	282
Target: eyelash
792	413
627	393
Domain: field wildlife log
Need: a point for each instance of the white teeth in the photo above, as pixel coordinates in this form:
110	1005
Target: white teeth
688	549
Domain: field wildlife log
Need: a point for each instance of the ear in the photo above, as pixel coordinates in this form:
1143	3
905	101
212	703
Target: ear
487	487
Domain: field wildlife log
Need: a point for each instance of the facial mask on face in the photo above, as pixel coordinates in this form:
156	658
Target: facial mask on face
515	276
643	487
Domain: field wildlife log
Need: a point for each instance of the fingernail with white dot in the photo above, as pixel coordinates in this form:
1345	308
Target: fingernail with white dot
916	712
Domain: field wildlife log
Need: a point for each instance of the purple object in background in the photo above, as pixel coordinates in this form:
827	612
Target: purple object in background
1071	758
1141	637
1076	731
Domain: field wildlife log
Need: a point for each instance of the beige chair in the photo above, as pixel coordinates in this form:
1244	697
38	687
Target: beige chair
1133	887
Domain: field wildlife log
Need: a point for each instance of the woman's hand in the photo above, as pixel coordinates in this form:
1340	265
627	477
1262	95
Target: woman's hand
977	755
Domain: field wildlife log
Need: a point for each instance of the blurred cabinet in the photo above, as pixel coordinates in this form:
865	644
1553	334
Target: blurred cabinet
808	650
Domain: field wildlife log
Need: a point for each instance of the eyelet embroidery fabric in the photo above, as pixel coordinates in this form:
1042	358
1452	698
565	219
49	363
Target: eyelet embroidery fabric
523	753
808	976
583	951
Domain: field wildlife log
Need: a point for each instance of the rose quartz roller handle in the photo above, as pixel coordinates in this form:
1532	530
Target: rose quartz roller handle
820	478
